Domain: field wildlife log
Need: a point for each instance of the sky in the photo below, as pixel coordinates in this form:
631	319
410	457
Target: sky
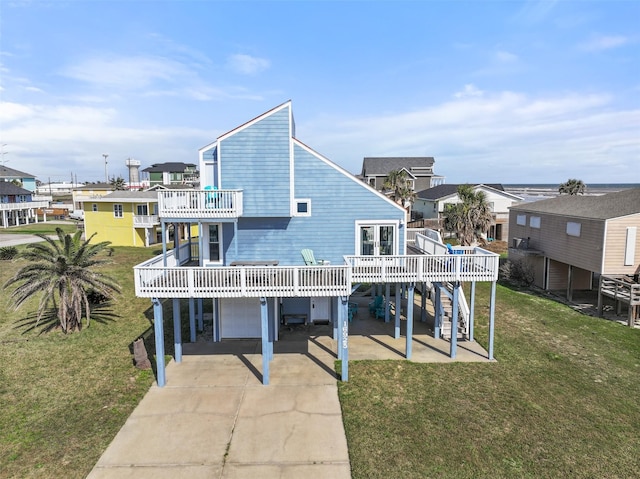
505	92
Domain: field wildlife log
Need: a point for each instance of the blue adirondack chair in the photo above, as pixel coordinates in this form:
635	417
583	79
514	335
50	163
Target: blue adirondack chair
309	258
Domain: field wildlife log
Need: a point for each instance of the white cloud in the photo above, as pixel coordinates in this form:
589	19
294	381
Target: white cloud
469	90
604	42
506	57
247	65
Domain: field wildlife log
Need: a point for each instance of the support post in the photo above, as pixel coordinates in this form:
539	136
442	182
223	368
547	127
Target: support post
492	313
163	226
410	291
216	321
472	309
437	311
453	345
343	314
200	315
158	329
398	303
264	319
570	284
177	332
600	303
387	303
423	303
192	320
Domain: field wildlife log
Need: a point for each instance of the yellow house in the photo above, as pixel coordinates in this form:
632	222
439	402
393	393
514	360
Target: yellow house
126	218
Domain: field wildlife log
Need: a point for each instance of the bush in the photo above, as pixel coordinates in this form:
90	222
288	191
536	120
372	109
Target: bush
96	297
8	252
519	272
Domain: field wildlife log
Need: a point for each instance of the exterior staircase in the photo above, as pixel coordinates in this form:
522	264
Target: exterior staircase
446	302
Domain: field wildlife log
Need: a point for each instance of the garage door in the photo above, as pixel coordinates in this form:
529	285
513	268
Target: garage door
240	318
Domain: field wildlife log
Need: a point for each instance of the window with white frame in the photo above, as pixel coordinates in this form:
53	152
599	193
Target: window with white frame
214	242
303	207
534	222
117	211
521	220
573	228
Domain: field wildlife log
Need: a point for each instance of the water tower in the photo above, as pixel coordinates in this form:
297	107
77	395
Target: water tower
134	173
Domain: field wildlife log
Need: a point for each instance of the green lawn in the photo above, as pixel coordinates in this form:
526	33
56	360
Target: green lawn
64	397
48	228
562	400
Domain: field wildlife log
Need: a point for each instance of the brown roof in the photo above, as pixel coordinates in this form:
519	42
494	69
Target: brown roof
603	207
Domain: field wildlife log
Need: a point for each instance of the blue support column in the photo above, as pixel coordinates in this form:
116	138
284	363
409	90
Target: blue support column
264	319
200	315
272	333
492	312
216	320
472	310
387	302
176	242
454	321
343	314
437	311
338	332
163	226
410	291
177	332
398	304
158	329
423	303
192	320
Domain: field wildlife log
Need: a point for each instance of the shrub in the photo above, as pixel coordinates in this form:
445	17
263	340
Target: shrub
519	272
8	252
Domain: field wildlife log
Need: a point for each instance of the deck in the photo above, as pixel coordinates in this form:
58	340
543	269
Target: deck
166	278
623	290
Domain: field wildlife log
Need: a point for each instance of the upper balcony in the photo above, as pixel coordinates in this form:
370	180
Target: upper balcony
23	205
145	221
200	204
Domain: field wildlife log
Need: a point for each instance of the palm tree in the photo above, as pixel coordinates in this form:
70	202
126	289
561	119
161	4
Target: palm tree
572	187
470	217
118	183
62	272
401	190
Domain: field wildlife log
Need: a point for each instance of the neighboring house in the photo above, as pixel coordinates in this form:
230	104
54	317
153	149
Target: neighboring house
126	218
266	197
419	171
172	173
27	181
53	189
91	191
19	206
570	241
433	202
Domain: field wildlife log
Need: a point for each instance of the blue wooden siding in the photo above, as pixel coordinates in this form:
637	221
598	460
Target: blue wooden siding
337	201
256	159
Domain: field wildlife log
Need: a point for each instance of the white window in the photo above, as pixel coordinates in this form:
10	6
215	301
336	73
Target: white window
521	220
630	248
214	243
303	207
142	210
94	207
573	229
117	211
534	222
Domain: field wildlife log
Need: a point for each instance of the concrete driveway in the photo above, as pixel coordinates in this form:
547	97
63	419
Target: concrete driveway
18	239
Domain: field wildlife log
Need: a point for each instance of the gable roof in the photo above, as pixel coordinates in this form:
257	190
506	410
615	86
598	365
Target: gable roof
127	196
377	166
443	191
6	172
8	188
612	205
171	167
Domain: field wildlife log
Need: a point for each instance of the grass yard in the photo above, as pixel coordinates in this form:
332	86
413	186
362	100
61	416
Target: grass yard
64	397
562	400
48	228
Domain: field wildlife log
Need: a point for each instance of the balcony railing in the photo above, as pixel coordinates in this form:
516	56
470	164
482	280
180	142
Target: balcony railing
145	221
24	205
200	204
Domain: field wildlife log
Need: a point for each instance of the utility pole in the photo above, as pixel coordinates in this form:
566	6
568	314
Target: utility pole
106	176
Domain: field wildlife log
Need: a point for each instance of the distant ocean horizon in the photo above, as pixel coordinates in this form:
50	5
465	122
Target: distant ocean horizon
540	191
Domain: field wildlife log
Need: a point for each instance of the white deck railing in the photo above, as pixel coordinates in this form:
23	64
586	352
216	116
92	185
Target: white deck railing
145	221
25	205
200	204
242	281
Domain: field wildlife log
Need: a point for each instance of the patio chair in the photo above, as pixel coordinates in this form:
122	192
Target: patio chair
310	260
376	304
